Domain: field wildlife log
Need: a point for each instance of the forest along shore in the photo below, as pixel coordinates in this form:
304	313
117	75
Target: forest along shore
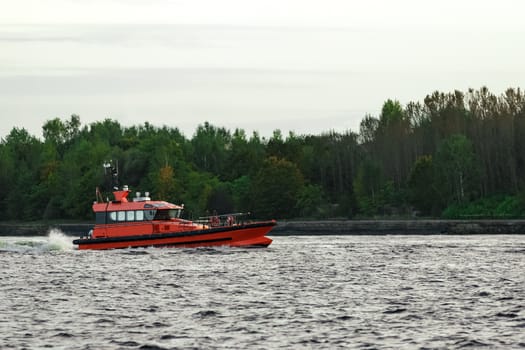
323	227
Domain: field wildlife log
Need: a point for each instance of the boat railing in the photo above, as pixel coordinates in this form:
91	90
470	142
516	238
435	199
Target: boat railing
224	220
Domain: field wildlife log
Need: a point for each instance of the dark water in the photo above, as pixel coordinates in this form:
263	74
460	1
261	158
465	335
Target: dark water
411	292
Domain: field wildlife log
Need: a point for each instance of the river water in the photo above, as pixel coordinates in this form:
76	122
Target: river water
366	292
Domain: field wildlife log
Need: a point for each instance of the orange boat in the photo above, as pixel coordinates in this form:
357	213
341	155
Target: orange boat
122	223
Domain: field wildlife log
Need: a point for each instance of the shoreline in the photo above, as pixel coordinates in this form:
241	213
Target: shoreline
321	227
399	227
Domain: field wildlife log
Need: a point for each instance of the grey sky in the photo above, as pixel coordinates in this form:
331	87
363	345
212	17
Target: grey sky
306	66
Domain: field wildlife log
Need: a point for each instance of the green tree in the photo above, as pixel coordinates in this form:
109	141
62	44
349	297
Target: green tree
23	158
311	202
166	187
210	147
367	187
241	193
54	131
276	189
423	194
457	169
245	156
221	199
198	187
392	141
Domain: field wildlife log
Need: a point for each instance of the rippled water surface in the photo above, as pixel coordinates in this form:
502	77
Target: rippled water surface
301	292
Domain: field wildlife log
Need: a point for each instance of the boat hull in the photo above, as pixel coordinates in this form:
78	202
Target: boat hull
247	235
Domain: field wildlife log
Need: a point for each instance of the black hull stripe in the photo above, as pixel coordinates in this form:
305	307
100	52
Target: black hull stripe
171	235
184	243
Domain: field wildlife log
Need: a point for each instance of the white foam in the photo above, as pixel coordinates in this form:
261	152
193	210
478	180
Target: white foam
58	240
23	244
55	240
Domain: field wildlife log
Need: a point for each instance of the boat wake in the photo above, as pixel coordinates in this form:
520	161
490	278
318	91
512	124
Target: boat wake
55	240
59	241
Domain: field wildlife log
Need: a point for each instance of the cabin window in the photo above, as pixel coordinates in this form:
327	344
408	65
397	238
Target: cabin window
167	214
139	215
121	216
113	216
162	215
100	218
149	214
130	215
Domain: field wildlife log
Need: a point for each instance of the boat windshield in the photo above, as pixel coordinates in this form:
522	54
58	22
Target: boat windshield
175	213
167	214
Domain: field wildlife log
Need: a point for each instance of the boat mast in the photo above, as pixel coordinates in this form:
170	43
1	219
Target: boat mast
111	176
111	170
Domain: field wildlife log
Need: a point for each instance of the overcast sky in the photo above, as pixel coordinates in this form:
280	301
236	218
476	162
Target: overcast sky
308	65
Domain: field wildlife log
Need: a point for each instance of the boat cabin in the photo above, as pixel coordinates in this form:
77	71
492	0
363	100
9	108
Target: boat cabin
142	214
118	216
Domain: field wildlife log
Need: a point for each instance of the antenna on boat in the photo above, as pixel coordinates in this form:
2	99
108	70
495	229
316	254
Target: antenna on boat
98	195
109	169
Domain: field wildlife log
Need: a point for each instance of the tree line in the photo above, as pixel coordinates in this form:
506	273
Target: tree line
453	155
